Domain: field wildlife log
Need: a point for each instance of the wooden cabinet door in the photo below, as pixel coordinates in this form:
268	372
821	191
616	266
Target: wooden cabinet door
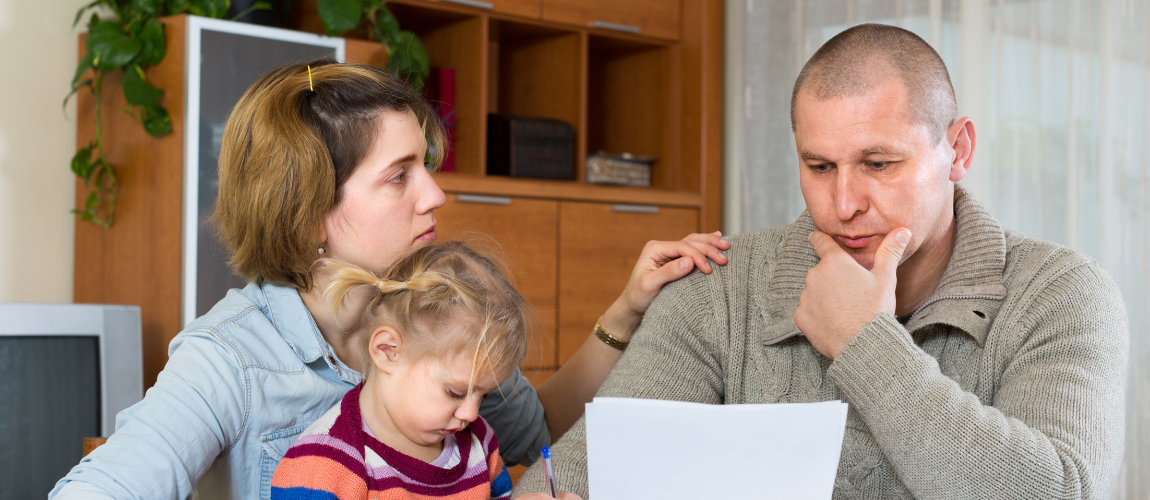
525	232
599	244
658	18
525	8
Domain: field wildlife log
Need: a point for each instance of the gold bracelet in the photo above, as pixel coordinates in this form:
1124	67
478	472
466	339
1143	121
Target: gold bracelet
607	338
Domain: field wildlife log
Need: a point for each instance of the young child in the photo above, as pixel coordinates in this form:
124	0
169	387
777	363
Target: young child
442	327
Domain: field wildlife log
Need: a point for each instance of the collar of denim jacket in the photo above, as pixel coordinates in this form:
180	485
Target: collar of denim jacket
294	323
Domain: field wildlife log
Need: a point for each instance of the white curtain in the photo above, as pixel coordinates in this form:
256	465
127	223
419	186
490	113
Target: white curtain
1059	91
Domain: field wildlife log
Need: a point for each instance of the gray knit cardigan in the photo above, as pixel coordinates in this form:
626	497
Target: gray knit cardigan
1009	382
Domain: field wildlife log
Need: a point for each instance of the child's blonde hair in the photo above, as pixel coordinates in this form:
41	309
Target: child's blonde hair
423	296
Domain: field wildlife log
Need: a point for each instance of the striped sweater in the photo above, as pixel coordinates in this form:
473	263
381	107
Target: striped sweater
338	459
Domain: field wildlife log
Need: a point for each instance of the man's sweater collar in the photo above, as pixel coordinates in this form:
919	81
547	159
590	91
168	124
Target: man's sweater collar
967	298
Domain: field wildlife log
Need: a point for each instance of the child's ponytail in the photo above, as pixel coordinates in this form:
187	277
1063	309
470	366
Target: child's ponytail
433	286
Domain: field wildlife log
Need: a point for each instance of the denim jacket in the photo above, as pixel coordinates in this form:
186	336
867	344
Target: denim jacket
241	383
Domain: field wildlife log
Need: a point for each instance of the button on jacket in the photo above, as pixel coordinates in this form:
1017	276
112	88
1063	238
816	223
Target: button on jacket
241	383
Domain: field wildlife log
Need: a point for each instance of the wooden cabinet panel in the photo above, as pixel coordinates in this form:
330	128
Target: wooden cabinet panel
598	247
525	8
526	233
137	261
658	18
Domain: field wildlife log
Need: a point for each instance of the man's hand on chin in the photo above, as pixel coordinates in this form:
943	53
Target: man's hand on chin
841	296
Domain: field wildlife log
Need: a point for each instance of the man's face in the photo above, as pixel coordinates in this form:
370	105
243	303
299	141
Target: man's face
867	169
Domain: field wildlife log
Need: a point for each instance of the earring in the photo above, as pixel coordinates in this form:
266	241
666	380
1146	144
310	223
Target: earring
321	250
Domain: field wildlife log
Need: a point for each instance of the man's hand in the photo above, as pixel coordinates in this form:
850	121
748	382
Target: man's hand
841	296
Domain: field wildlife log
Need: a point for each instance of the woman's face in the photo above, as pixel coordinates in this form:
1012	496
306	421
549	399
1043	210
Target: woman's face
387	204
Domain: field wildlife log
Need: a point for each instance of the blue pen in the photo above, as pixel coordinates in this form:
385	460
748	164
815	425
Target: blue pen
549	473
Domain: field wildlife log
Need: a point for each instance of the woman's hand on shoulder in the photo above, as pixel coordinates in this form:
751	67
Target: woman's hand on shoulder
661	262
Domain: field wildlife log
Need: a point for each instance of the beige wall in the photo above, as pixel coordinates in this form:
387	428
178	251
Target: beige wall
37	139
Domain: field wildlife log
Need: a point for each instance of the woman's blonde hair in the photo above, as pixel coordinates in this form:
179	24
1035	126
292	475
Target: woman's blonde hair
428	293
289	145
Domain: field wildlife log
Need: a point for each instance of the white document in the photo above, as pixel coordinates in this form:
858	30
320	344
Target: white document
643	448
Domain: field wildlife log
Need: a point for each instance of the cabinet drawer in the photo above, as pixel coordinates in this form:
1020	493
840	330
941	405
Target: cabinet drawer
599	245
525	8
658	18
526	234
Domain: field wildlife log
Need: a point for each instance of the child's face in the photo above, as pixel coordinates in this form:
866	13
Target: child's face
427	399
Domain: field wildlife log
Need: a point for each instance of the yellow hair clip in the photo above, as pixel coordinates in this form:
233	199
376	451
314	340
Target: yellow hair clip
310	85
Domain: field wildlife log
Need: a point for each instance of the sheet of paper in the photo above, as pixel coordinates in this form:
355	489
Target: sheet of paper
642	448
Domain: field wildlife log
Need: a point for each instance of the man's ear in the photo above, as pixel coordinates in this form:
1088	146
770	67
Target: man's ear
961	138
385	346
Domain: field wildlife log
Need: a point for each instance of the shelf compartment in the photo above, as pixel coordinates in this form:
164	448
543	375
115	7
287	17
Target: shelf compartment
455	40
536	71
630	103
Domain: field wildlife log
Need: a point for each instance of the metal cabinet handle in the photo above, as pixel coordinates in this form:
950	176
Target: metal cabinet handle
473	3
636	209
489	200
626	28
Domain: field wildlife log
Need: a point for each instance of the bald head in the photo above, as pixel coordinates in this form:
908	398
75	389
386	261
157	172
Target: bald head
856	61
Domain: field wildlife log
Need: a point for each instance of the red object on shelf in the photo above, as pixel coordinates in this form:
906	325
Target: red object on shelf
439	89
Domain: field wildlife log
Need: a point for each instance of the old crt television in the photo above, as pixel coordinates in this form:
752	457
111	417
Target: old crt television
66	370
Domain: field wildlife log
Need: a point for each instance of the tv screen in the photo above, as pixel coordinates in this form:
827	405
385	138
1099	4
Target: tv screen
50	394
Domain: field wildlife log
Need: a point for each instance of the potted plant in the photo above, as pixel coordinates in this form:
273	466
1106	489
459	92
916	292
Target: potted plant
126	35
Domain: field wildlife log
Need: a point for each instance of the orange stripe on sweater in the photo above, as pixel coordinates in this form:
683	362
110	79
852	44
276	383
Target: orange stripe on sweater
477	492
494	465
319	473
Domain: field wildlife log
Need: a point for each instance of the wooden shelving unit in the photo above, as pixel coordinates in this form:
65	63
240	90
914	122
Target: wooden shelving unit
655	93
570	244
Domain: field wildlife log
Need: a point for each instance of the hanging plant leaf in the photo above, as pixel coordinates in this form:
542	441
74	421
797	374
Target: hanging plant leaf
82	163
80	13
82	67
408	59
154	46
110	46
148	8
137	90
156	120
90	205
386	27
338	16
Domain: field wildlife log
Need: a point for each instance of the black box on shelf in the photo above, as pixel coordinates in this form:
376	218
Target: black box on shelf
540	148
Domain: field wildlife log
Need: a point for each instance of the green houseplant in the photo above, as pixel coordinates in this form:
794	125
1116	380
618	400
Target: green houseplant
406	55
126	35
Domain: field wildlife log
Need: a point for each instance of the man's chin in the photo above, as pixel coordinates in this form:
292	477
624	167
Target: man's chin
864	256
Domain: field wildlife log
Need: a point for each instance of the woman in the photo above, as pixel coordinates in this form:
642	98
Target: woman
327	163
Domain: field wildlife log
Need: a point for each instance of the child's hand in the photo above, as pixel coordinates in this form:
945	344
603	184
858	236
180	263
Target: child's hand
541	496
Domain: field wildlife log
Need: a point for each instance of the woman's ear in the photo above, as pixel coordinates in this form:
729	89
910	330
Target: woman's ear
385	346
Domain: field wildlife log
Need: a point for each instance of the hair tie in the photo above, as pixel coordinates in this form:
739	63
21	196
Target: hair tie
310	85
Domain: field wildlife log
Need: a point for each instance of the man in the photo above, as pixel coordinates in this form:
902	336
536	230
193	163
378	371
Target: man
978	363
